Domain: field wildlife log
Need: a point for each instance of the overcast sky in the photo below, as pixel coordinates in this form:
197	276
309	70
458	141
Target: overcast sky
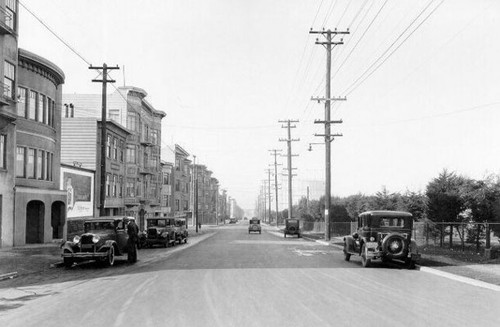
226	71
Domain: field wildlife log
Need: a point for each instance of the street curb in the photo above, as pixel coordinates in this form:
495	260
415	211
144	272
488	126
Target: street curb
466	280
321	242
8	275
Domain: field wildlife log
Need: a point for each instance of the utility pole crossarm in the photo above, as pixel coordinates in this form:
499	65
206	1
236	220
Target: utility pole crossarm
319	99
317	121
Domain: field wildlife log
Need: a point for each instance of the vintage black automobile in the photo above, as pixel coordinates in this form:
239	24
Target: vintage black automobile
292	227
384	235
181	232
159	231
102	240
254	226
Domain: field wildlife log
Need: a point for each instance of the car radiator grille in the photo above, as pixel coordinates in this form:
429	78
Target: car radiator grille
86	239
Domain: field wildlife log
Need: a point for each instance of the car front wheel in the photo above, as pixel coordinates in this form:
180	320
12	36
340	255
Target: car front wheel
347	255
68	262
110	259
364	260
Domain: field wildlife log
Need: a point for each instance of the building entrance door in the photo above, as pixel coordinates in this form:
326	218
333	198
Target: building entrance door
35	216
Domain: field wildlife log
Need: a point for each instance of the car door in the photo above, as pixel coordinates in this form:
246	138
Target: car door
121	236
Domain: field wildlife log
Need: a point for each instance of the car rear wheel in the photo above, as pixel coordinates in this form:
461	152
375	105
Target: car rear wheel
366	262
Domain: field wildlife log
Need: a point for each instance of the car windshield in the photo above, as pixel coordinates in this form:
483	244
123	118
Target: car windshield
157	223
292	221
254	221
98	225
179	223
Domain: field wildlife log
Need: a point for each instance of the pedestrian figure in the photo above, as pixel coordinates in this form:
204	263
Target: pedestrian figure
133	238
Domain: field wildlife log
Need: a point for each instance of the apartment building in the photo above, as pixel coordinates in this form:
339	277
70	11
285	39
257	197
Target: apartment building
128	107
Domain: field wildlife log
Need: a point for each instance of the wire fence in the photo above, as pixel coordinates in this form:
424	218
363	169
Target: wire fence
450	235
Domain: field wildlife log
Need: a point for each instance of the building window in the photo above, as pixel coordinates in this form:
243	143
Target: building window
41	108
32	105
114	115
46	109
166	178
48	162
131	155
3	151
51	112
108	186
115	182
132	121
177	185
115	148
39	164
9	79
186	205
177	205
120	187
30	166
108	146
130	187
50	107
10	16
22	93
121	151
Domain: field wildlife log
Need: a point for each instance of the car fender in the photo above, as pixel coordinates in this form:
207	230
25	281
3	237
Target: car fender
68	246
413	247
109	244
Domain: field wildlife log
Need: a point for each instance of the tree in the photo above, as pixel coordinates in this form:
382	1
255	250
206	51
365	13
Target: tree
444	200
415	203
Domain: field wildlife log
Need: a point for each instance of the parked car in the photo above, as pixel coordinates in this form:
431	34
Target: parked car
159	231
181	232
384	235
292	227
102	240
254	226
232	220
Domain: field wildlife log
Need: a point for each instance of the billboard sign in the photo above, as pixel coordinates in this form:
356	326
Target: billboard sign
79	186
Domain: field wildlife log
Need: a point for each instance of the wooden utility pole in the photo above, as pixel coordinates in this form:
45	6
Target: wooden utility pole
275	153
269	193
289	141
104	81
327	122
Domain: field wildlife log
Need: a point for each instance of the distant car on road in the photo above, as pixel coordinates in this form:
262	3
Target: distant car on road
232	220
384	235
254	226
292	227
160	231
102	240
181	232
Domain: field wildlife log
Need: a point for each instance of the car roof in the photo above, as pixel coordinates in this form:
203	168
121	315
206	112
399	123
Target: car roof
108	218
386	213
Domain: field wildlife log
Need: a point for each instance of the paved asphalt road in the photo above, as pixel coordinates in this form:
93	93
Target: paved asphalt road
231	278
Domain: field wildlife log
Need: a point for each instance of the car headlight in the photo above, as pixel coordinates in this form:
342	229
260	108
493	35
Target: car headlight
76	239
95	239
372	239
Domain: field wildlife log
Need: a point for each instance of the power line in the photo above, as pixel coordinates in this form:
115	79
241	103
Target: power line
359	40
347	91
55	34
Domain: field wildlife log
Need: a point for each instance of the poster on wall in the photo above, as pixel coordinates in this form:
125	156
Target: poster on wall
79	186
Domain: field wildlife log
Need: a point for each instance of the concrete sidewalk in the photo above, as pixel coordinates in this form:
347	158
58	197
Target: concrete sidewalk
33	258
